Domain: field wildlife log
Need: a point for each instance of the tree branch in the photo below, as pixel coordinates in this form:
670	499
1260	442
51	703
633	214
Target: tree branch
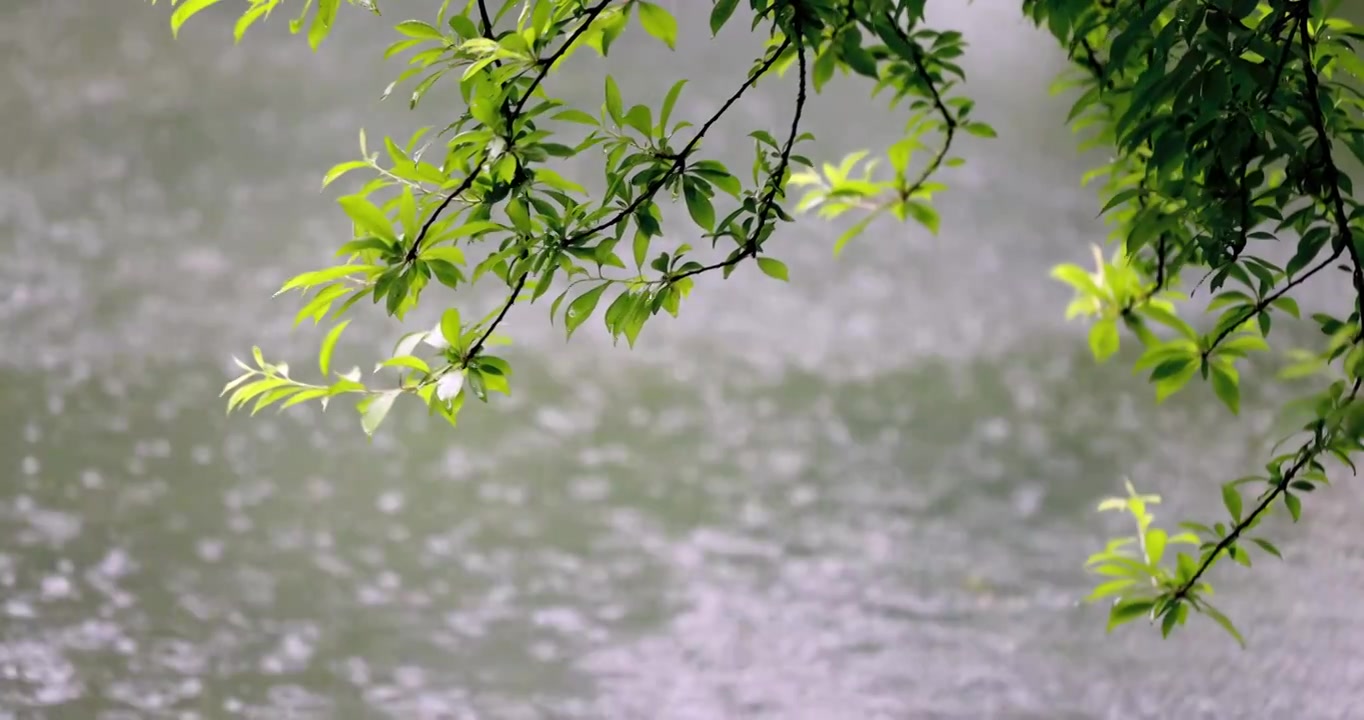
545	66
681	158
1336	204
776	179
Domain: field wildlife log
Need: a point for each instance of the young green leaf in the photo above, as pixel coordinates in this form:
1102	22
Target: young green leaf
368	217
698	205
1127	610
658	22
1222	620
773	268
665	112
1224	384
1294	506
614	107
721	13
1103	339
186	10
581	308
324	357
451	326
1231	498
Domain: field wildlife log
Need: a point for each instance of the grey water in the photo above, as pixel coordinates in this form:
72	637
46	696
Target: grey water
867	493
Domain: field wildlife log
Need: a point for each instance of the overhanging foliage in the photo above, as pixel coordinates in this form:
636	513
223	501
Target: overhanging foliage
1225	120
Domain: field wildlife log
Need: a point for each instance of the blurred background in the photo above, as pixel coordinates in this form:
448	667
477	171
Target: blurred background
867	493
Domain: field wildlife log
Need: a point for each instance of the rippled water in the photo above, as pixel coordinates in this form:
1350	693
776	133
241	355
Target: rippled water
865	494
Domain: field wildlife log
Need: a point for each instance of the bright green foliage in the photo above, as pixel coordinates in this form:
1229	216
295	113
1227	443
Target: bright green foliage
1224	120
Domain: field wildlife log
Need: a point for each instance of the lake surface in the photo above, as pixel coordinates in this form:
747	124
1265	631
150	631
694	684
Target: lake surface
865	494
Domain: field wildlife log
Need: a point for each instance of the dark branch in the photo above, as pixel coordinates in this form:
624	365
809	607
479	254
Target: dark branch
949	121
545	66
776	180
1331	175
1305	455
680	159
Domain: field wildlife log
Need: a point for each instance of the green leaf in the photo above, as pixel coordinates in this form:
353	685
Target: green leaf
576	116
825	63
1128	610
186	10
669	101
324	357
1224	621
698	205
980	130
1231	498
581	308
852	232
659	23
1077	278
923	214
1170	368
418	29
245	22
305	396
368	216
720	14
448	253
341	169
1171	618
1268	547
1224	384
411	362
613	102
451	326
376	410
1155	545
640	118
1169	319
773	268
407	211
1294	506
318	277
322	22
641	248
1112	587
1103	339
1165	387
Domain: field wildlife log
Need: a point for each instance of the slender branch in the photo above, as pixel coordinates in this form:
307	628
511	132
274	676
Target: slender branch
949	121
648	192
1331	175
776	179
548	63
681	158
1268	300
1284	54
501	315
1305	454
486	18
1309	451
545	66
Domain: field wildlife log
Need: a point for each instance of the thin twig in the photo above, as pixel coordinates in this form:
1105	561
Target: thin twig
1309	451
649	191
681	158
545	66
776	178
1305	454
